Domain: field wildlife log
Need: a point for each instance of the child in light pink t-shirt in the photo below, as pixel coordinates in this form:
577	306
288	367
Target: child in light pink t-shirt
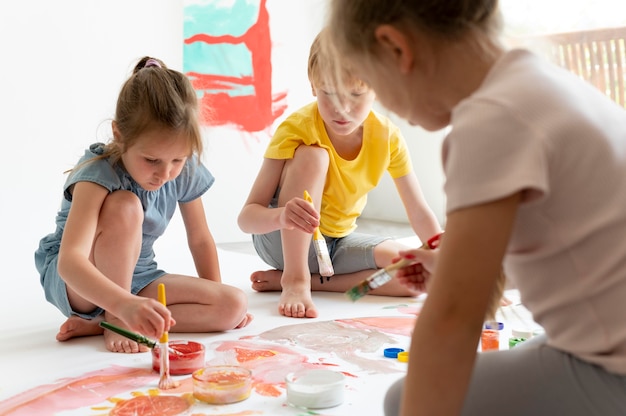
535	166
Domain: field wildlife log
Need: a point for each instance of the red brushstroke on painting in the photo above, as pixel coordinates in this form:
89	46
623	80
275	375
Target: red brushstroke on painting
399	325
74	393
251	112
269	365
152	406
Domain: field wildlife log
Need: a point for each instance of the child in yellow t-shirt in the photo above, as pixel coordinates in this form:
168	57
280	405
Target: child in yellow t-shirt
337	148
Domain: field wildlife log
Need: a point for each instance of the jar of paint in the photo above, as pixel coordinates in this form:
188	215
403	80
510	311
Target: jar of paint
490	336
315	389
185	357
222	384
513	341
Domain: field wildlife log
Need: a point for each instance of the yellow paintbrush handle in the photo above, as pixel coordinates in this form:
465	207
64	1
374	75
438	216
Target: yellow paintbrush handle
161	295
316	234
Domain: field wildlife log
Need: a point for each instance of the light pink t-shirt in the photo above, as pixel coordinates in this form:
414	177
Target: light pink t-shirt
535	128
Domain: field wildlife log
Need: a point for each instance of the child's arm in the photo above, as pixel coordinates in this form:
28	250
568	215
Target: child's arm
422	219
200	240
255	216
143	315
449	325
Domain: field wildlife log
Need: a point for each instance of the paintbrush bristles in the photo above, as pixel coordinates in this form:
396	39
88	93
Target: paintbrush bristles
376	280
323	258
358	291
324	262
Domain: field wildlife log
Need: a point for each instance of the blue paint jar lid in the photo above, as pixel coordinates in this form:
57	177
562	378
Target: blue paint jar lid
392	352
494	325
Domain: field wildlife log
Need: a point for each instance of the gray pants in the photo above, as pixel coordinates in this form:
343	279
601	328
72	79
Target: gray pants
534	379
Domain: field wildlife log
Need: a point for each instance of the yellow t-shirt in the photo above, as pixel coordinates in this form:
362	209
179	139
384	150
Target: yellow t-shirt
347	181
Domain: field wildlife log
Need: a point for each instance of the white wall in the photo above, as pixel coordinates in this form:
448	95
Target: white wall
63	63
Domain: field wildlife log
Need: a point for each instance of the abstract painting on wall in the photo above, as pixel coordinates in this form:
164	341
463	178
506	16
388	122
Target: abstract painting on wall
227	55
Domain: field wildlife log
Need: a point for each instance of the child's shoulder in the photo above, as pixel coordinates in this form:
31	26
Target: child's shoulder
305	117
382	124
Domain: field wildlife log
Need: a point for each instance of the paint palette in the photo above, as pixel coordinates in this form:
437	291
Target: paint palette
186	357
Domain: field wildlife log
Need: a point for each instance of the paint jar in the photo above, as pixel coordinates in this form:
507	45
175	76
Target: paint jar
185	357
518	336
513	341
315	389
521	333
490	337
222	384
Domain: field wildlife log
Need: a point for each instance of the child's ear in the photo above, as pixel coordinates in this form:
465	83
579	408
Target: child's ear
313	91
395	45
116	131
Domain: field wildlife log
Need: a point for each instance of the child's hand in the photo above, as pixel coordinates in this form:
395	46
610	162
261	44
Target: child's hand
299	214
416	275
146	316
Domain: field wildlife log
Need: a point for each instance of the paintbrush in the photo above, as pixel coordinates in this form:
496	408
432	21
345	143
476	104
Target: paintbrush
321	249
382	276
138	338
376	280
165	380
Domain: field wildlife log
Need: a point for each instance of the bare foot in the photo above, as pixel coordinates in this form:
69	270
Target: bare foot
266	280
297	303
76	326
245	321
118	343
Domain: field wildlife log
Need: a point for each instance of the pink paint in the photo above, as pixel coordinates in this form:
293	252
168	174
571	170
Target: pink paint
77	392
399	325
270	356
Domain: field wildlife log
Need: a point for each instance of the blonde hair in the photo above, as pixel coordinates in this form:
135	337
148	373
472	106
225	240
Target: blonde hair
324	70
352	22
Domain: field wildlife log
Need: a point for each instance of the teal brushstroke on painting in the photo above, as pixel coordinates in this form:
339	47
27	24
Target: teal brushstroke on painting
217	18
226	60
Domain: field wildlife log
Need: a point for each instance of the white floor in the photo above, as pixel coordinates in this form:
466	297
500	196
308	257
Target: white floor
42	376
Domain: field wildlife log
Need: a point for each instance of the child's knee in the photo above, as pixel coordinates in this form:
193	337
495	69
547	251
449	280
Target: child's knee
122	209
311	159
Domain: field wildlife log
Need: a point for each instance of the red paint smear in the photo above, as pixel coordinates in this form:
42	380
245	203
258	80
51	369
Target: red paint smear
268	390
152	406
74	393
245	354
251	113
399	325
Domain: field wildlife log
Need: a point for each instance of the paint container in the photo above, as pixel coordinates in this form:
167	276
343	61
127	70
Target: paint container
187	357
521	333
392	352
514	341
222	384
315	389
490	337
403	357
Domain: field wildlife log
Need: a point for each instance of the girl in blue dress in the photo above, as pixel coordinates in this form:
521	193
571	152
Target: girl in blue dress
99	263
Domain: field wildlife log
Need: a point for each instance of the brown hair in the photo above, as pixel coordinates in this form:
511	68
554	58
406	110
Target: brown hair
154	97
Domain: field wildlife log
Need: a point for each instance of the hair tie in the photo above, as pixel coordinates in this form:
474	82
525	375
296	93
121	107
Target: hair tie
152	62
